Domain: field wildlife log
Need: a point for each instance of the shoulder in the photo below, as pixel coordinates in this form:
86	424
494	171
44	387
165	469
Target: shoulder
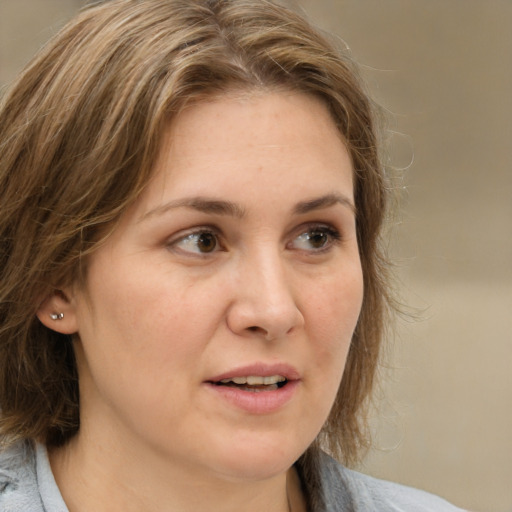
18	480
343	487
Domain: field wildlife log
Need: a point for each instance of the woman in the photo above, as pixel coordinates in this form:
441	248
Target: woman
192	290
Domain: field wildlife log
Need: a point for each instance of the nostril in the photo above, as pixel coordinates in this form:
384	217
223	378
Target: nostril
258	330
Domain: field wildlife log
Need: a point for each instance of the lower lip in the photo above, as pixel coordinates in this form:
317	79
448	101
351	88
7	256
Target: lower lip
262	402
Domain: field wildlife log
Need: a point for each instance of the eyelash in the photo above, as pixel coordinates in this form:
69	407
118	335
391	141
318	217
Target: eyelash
333	237
196	233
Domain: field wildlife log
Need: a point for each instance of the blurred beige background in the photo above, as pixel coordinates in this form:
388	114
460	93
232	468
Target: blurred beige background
443	69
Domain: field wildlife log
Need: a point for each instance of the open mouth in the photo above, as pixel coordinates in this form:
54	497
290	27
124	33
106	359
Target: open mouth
254	384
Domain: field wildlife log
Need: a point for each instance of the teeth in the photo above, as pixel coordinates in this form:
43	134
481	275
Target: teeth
253	380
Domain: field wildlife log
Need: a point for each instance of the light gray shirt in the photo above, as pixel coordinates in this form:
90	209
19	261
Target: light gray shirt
27	485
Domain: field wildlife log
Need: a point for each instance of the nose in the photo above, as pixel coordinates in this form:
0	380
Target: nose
265	303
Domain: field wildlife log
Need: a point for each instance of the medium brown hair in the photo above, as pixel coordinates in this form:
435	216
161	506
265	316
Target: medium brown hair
79	134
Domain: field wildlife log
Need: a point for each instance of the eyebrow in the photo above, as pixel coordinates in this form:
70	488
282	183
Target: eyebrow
323	202
201	204
228	208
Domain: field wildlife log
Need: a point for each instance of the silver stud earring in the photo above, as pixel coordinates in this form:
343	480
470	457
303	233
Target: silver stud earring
57	316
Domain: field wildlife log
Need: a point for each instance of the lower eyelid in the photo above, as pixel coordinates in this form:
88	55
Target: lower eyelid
333	234
334	237
175	241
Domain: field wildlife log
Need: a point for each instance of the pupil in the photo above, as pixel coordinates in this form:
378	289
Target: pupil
206	242
318	239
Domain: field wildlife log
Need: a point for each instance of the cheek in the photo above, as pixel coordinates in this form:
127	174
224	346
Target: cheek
333	314
335	306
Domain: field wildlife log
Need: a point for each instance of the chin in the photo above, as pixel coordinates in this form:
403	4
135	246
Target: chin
260	458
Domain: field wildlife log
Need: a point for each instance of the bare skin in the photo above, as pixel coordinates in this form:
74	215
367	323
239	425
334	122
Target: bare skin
240	256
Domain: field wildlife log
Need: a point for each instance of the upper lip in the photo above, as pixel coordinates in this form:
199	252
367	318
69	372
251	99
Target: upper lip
260	370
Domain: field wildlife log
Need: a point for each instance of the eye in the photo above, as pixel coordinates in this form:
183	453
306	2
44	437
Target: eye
199	242
316	239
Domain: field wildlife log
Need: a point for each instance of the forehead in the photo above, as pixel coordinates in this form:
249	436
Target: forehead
250	147
262	112
256	128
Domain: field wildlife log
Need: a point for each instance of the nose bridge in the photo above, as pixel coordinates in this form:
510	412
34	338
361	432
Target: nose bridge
266	300
269	276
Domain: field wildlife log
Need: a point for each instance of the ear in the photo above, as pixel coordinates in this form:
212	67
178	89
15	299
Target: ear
57	312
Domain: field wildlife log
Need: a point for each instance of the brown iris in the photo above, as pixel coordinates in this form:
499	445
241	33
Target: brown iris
317	239
206	242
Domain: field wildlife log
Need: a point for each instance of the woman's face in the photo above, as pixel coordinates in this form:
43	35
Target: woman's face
215	322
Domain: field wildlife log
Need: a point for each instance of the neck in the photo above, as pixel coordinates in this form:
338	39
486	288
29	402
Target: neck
93	477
